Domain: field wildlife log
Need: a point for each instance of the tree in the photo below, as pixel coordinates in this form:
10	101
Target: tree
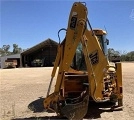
130	56
6	49
16	49
2	52
113	55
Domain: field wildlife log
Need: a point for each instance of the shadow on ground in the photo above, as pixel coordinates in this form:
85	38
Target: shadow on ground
94	111
37	105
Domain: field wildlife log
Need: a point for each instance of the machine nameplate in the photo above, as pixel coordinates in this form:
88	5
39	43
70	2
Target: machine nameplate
94	57
73	22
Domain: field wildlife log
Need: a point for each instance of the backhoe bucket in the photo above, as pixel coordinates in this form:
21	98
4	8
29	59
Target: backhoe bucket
76	111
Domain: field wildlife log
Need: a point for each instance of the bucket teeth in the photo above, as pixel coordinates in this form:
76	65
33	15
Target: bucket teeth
76	111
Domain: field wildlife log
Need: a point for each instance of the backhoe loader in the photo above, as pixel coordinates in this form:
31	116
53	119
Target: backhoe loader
84	71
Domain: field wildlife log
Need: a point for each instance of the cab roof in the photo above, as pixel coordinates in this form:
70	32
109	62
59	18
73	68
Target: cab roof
99	32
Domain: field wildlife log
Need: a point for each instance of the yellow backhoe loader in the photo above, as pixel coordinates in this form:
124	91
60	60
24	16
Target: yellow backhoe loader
84	72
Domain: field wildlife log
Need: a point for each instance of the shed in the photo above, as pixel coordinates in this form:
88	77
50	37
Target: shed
42	54
10	57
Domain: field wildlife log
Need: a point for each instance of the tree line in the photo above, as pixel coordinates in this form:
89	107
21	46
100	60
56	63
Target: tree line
5	50
123	56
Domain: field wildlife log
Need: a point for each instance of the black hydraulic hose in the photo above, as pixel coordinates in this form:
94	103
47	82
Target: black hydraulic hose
59	32
84	3
90	26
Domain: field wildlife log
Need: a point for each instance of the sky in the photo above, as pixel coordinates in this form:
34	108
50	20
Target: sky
29	22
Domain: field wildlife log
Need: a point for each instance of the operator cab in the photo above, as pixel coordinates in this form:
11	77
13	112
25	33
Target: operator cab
101	35
79	60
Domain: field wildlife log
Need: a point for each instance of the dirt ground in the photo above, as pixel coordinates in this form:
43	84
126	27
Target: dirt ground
21	86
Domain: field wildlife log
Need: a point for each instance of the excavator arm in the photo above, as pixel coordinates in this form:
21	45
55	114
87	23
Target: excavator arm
75	30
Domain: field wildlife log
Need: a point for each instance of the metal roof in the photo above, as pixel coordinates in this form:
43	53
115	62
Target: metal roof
48	42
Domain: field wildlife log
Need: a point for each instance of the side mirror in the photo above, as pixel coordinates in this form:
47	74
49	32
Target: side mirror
107	41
